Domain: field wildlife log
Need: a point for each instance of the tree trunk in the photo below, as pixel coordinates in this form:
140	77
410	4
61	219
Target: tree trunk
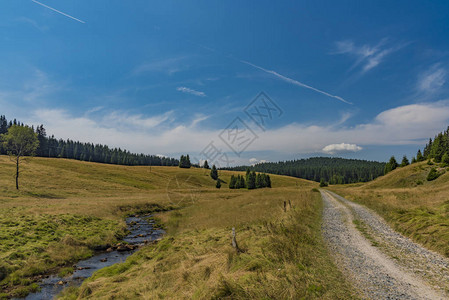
17	173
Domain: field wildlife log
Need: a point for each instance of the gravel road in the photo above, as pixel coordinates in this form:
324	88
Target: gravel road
381	263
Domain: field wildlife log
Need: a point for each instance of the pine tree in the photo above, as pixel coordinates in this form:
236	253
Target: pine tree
405	161
242	183
387	168
184	162
232	182
188	164
419	156
214	173
268	181
445	160
206	165
259	183
393	163
218	184
414	160
251	184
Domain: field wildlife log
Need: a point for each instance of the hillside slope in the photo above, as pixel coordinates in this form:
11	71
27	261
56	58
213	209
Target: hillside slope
414	206
66	208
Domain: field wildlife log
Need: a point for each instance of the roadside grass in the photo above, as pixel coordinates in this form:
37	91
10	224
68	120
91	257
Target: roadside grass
282	255
66	209
412	205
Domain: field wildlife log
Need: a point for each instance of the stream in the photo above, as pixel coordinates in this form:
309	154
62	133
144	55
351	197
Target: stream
141	232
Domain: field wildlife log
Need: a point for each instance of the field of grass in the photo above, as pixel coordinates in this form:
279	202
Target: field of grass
66	209
412	205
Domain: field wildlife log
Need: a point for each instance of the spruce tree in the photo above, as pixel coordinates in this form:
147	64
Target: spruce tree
206	165
214	173
251	184
445	159
218	184
232	182
242	183
419	156
268	181
387	168
405	161
393	163
259	183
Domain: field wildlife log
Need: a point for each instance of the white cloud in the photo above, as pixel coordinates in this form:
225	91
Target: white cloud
409	124
432	79
367	56
254	161
342	147
187	90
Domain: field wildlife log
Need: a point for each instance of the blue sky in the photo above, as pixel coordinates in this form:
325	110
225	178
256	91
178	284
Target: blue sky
362	79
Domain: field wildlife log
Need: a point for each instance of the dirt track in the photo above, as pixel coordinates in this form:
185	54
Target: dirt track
381	263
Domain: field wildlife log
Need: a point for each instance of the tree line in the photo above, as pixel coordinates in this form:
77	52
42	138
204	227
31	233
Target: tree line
250	181
332	170
435	151
49	146
438	149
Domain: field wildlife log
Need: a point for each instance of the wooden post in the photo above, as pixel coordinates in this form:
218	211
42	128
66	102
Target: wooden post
234	240
290	204
285	206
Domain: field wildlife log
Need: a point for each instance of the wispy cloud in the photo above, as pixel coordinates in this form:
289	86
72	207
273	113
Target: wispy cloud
32	23
198	119
295	82
187	90
432	79
169	66
367	56
135	121
60	12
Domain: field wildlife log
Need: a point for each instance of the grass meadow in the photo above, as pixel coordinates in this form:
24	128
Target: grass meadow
66	209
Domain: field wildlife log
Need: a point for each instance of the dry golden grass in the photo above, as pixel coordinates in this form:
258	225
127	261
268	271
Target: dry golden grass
283	255
194	259
414	206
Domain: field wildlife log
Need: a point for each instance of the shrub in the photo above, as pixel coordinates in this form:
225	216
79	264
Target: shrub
433	174
323	183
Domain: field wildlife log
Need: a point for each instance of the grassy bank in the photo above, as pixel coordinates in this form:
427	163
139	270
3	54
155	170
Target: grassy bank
282	255
412	205
66	209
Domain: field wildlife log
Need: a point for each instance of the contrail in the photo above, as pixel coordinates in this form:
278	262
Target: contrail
295	82
58	11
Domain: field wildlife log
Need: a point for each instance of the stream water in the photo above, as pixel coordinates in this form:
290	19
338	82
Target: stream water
141	231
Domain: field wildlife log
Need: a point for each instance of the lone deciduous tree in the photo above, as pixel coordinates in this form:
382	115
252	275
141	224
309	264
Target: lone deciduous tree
20	141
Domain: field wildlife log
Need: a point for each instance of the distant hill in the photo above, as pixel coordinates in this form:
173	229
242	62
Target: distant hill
333	170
